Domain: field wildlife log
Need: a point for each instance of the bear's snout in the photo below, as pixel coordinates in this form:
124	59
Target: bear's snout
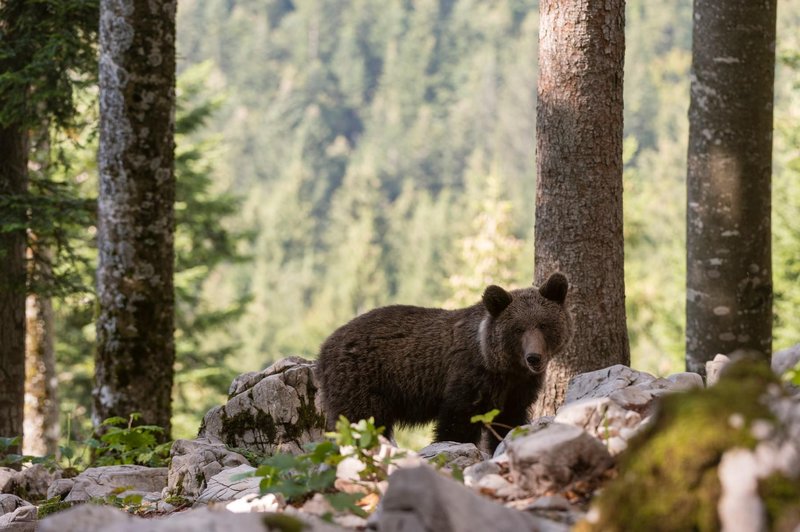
534	361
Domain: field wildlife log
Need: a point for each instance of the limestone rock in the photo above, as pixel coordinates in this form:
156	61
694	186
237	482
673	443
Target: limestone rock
275	410
9	503
194	462
22	519
523	430
555	457
60	488
604	382
30	483
420	499
85	518
252	502
224	486
602	418
474	473
686	380
785	359
714	368
452	454
107	480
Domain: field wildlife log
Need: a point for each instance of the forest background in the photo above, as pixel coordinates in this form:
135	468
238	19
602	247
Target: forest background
338	156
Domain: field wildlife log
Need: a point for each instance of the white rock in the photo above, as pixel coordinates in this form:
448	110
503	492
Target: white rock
225	486
194	462
23	519
685	381
86	518
740	508
603	418
107	480
474	473
271	502
272	411
555	457
9	503
604	382
420	499
453	454
785	359
60	488
715	367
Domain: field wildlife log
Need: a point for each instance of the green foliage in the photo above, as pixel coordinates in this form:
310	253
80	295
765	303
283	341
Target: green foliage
124	443
296	477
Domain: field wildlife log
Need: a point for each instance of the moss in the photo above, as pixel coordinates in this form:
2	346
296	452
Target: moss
51	506
283	522
668	476
781	497
234	428
309	418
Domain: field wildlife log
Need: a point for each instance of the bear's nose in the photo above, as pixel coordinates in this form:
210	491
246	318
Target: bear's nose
533	359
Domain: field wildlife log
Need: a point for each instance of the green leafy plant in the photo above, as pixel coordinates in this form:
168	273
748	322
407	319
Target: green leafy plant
488	421
10	458
297	477
124	443
793	375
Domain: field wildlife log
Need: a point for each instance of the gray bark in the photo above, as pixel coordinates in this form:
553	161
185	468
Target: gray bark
579	188
13	181
729	274
136	351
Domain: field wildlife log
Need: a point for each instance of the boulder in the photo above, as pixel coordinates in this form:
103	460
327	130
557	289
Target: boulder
602	418
714	368
785	359
30	483
9	503
275	410
194	462
23	519
736	448
60	488
556	457
225	486
109	480
420	499
452	454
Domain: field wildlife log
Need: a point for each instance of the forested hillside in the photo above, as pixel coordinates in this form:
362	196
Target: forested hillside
384	151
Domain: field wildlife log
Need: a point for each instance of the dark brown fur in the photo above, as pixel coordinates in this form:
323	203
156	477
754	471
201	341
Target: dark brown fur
411	365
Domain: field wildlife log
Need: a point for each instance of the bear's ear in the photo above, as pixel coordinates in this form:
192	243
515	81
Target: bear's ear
495	299
555	288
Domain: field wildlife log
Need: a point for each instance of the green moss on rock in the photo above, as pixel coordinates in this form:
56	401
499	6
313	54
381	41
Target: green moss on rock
781	498
51	506
234	428
668	476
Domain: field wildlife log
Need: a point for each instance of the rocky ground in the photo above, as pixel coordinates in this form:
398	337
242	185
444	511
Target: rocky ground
725	457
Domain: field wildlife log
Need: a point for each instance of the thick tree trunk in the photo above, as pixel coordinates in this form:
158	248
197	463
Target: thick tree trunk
135	344
41	404
579	187
13	181
729	273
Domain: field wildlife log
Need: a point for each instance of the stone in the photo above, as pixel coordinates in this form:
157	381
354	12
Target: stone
108	480
714	368
22	519
420	499
740	508
60	488
534	426
86	518
225	486
6	479
251	502
556	457
785	359
194	462
604	382
10	502
452	454
603	418
474	473
272	411
686	380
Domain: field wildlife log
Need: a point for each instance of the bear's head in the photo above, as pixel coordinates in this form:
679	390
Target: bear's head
523	329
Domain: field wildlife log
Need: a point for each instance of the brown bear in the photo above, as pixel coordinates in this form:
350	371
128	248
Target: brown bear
410	365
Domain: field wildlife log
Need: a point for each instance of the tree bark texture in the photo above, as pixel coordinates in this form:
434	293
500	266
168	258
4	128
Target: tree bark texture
579	189
41	426
729	273
135	326
13	182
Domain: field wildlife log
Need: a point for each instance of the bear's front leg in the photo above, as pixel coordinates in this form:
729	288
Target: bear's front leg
453	424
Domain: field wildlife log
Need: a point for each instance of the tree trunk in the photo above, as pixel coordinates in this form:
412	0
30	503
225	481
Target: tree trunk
13	181
135	343
41	404
729	274
579	189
